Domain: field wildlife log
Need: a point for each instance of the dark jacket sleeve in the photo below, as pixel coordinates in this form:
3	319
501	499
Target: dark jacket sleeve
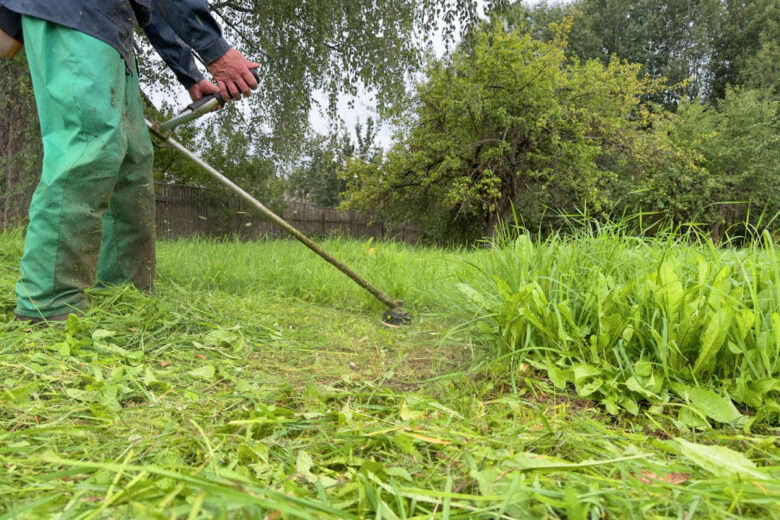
193	23
172	49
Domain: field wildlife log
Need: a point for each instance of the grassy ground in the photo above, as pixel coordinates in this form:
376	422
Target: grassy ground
258	383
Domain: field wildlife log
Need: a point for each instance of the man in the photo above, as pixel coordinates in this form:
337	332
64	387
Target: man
92	215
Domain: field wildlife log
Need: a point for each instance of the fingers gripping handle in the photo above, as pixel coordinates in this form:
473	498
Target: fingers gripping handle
217	96
197	108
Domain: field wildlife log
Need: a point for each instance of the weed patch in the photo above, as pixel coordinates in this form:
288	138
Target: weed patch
689	330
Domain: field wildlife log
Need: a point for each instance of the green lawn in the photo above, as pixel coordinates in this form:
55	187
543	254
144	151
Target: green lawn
258	383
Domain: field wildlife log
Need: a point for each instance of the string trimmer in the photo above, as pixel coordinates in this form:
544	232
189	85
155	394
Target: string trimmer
395	313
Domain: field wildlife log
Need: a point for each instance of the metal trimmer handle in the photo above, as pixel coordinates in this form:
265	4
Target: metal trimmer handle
199	107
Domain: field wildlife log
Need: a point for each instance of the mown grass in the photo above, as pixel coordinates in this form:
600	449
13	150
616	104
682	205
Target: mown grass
257	383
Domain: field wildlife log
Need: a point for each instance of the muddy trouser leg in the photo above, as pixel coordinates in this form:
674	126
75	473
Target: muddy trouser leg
127	250
84	97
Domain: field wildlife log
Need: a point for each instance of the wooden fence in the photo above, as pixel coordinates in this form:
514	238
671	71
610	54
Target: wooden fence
184	211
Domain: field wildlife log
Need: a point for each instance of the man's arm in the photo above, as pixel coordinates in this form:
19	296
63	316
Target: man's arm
174	52
191	21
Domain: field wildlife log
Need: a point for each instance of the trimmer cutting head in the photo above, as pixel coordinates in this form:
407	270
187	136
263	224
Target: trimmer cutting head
396	316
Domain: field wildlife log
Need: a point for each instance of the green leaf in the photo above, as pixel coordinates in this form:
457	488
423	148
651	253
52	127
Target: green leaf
635	386
408	414
205	372
670	290
73	324
473	295
398	471
745	319
63	348
582	372
709	403
81	395
556	375
149	377
404	443
244	386
643	368
102	334
589	388
303	465
220	338
713	337
742	392
775	328
610	405
720	460
190	396
630	405
22	393
720	283
689	418
627	333
108	399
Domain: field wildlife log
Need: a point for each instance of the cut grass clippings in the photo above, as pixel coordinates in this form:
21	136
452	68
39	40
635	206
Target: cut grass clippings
258	383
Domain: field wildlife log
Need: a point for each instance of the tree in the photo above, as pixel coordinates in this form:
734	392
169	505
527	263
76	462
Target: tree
712	43
317	177
508	120
20	143
335	46
737	145
746	50
671	39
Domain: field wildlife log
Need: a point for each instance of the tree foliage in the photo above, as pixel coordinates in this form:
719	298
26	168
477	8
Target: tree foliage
669	38
316	178
734	175
746	49
334	46
700	46
514	121
509	120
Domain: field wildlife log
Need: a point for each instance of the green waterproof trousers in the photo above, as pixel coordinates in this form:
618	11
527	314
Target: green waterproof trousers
92	214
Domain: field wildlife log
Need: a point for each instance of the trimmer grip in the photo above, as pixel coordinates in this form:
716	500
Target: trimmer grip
218	96
196	109
192	107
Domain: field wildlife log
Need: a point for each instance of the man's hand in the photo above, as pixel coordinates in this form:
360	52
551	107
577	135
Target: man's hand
231	70
202	88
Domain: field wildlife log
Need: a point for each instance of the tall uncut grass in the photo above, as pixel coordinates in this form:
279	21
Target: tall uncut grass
672	322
